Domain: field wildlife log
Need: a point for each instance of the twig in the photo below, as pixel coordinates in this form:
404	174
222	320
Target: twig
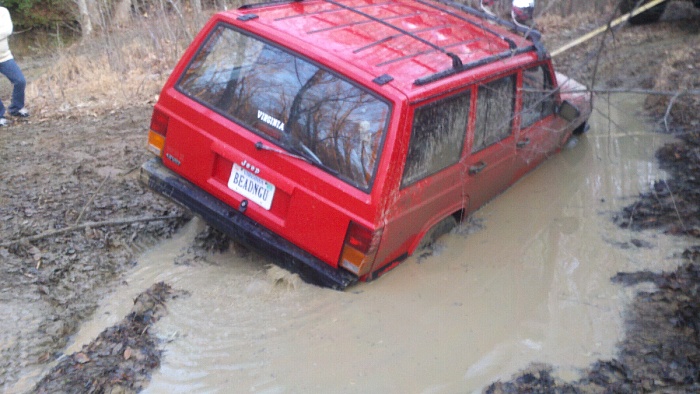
116	222
182	19
130	170
675	207
634	210
668	111
637	91
80	216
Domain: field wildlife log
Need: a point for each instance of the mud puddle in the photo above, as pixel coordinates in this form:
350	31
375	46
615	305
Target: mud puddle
528	279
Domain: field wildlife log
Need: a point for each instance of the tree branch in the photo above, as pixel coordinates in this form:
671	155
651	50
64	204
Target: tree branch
115	222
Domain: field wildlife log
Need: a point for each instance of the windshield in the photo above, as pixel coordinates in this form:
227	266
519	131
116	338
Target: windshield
306	109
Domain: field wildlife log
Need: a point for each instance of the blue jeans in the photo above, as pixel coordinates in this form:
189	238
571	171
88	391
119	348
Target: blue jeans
11	70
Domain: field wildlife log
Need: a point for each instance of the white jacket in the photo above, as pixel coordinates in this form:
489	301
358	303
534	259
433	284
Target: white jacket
524	3
5	31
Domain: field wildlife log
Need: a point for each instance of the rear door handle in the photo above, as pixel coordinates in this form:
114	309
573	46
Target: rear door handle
475	169
523	143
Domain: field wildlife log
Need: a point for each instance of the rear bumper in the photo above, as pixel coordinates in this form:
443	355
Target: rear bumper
241	228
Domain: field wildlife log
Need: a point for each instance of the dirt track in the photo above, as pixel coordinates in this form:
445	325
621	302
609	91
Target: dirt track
60	173
55	175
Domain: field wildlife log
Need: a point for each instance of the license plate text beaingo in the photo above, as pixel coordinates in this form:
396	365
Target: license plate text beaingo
251	186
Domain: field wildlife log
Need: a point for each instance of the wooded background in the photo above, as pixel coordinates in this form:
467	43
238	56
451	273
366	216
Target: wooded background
87	17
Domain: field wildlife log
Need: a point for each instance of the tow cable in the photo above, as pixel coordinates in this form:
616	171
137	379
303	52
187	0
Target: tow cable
610	25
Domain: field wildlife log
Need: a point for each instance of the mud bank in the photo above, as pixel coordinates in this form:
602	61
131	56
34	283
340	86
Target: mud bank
671	205
661	348
57	176
661	351
121	358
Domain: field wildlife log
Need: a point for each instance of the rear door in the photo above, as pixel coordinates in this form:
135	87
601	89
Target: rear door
490	166
431	184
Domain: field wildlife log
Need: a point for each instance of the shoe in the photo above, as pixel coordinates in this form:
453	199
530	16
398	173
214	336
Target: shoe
22	113
3	122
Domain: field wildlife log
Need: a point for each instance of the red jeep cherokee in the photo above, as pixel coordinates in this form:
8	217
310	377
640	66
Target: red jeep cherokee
340	135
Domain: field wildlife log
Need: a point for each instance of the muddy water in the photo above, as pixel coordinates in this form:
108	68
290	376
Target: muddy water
527	280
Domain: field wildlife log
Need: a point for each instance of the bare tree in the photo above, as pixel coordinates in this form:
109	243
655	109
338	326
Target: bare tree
122	12
84	18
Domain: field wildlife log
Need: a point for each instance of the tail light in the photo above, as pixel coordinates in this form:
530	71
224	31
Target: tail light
156	135
359	249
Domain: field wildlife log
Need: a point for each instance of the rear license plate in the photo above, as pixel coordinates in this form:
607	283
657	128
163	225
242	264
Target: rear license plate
251	186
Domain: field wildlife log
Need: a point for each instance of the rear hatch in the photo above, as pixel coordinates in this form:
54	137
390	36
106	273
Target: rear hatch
281	138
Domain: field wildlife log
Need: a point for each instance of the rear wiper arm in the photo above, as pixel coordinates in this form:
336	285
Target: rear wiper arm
309	158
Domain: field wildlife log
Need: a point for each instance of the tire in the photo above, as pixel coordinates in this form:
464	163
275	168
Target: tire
442	227
581	129
649	16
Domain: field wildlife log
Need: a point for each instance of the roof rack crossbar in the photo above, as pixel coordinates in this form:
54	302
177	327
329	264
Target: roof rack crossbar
267	3
378	42
302	15
413	54
357	23
392	36
456	61
477	63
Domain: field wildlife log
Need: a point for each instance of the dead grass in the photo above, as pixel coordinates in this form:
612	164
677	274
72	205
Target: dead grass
118	70
679	72
126	67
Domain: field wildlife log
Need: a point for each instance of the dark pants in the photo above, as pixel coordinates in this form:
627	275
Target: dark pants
11	70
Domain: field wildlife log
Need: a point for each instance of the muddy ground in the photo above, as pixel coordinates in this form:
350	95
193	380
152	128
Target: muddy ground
73	216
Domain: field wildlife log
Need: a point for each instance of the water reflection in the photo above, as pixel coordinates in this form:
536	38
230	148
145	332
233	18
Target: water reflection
531	285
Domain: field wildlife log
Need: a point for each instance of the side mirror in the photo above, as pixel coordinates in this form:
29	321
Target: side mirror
568	111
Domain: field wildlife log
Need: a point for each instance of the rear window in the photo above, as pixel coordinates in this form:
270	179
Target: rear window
309	111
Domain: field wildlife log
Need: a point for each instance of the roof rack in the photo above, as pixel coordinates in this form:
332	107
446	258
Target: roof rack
457	66
530	34
456	61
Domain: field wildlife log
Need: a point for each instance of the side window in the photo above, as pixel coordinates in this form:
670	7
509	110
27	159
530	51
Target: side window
538	98
437	137
494	112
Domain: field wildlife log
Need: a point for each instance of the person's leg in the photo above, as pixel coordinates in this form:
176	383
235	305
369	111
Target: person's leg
2	106
11	70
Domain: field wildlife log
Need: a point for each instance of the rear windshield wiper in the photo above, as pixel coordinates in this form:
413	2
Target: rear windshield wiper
307	155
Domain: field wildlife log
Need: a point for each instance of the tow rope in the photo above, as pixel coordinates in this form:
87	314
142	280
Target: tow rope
602	29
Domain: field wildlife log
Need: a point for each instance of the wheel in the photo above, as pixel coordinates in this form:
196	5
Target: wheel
649	16
581	129
442	227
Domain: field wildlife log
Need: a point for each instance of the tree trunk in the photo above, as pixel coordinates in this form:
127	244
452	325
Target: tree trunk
197	7
122	12
84	19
